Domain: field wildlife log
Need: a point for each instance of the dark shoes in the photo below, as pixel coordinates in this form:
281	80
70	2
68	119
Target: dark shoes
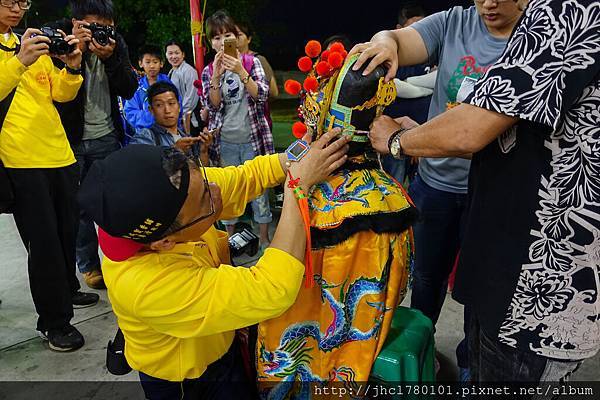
82	299
63	339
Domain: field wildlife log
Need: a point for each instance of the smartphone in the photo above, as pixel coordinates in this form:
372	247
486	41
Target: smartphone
230	47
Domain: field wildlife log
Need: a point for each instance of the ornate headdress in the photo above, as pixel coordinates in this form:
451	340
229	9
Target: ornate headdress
333	95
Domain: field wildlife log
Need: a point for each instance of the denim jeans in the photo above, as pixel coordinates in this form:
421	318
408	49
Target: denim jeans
234	154
86	152
492	361
396	168
438	234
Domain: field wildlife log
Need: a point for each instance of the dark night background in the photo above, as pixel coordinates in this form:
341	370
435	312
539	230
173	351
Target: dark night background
283	26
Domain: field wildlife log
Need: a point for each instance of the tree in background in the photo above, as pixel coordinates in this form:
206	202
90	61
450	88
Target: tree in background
156	21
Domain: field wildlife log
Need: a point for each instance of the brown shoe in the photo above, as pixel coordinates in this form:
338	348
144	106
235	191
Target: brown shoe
94	279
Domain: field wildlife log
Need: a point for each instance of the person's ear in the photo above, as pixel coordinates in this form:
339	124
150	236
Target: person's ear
141	64
163	244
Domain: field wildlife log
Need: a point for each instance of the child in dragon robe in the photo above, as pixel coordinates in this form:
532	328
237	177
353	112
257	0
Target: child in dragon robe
361	251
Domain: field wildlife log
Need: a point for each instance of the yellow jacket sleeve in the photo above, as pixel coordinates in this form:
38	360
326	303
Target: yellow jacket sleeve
11	71
64	85
220	299
239	185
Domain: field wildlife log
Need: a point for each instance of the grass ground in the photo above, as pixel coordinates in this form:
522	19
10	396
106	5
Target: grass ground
283	113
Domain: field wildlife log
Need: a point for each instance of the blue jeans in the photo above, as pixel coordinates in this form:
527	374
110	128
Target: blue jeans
438	234
396	168
86	152
233	154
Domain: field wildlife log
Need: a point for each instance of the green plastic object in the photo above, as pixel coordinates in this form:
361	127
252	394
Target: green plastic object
408	354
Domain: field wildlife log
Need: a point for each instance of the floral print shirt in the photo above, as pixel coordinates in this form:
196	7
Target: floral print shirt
531	255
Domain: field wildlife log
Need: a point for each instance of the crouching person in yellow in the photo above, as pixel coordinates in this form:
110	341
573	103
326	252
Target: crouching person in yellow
42	170
177	300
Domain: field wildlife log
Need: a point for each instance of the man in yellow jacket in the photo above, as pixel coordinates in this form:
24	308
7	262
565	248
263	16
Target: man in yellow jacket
41	166
177	299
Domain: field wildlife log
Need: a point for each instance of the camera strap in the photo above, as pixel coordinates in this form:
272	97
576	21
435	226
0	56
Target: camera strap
5	105
15	49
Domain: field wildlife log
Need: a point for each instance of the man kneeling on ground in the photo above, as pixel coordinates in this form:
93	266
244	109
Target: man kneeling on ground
177	300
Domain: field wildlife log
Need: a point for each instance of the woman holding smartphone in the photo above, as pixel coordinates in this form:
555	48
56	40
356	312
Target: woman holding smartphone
234	92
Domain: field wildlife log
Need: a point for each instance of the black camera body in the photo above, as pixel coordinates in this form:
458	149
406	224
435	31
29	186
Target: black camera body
243	242
58	45
102	33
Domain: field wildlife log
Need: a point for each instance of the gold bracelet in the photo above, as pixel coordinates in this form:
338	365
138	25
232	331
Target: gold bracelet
246	79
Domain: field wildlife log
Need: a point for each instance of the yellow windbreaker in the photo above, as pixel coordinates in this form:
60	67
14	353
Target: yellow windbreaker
178	309
32	135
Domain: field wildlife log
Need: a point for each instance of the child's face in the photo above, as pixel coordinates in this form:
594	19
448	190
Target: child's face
151	65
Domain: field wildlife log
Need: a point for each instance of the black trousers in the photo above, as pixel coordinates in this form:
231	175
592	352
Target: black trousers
224	379
46	215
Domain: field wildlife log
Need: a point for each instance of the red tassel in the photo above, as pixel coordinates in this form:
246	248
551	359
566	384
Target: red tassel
311	84
292	87
299	129
305	64
312	48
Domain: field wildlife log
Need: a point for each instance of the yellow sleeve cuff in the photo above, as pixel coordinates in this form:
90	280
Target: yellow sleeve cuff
15	68
277	168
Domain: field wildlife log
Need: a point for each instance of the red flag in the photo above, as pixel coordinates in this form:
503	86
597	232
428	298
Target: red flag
197	26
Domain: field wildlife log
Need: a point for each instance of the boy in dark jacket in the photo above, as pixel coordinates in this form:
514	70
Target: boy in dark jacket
93	121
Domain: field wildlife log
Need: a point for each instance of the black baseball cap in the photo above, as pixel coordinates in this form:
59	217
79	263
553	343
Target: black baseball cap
131	198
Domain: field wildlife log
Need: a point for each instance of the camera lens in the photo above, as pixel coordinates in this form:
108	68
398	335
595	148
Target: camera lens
101	37
62	47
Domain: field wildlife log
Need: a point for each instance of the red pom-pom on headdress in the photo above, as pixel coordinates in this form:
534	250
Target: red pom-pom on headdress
336	47
336	60
292	87
311	84
305	64
323	68
312	48
325	55
299	129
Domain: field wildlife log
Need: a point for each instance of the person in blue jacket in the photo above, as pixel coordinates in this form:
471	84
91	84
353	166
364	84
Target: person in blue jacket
136	109
162	98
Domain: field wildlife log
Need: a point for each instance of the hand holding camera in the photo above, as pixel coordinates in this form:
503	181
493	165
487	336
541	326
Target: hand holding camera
99	39
47	41
33	45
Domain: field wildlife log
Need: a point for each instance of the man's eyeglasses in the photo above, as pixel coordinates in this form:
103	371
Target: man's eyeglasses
23	4
198	164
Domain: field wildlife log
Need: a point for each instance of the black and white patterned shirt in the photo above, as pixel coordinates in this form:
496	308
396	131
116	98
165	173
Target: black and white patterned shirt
530	262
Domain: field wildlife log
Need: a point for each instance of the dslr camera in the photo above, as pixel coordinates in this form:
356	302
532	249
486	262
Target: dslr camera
102	33
58	45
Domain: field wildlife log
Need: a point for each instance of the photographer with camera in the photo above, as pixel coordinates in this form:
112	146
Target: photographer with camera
177	299
41	166
93	121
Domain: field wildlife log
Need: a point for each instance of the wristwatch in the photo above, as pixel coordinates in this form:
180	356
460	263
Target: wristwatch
74	71
394	145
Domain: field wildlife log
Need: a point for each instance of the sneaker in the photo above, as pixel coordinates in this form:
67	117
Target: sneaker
94	279
83	300
464	375
64	339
